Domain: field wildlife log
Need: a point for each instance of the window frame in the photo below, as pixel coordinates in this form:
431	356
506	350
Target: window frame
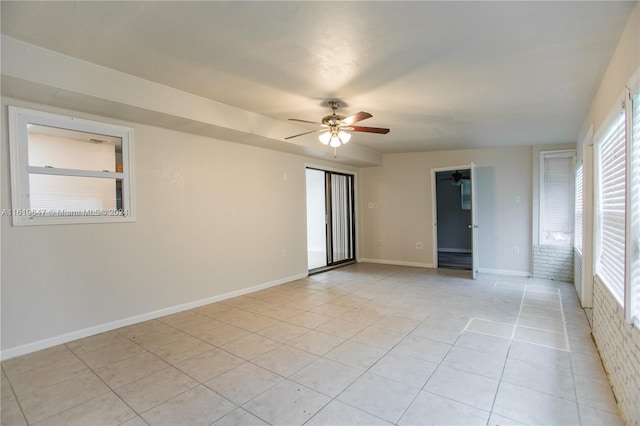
21	212
568	153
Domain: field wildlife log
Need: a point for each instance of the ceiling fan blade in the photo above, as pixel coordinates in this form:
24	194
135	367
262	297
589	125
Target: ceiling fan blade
304	121
306	133
368	129
358	116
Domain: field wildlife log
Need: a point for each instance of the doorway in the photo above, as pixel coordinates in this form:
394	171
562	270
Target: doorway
330	219
454	213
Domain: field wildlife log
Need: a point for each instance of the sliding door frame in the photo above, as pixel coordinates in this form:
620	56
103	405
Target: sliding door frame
329	220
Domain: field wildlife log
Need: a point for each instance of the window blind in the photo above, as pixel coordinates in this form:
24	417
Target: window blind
577	231
634	281
610	230
558	188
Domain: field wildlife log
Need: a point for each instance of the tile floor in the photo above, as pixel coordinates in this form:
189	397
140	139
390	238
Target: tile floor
361	345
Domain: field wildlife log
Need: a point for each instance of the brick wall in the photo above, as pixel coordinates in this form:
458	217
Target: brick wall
553	263
619	346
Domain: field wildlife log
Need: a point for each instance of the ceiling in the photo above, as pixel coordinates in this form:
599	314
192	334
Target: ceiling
441	75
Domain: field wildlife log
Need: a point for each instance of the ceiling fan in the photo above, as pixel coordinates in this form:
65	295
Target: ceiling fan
335	127
456	178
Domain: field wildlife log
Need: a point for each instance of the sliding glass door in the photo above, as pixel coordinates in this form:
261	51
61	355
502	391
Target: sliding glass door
330	218
316	219
341	217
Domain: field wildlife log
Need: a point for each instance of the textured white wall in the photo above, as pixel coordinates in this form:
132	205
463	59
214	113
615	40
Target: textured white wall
400	189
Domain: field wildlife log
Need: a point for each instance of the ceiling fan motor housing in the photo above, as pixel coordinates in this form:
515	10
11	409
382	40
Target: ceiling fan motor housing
332	120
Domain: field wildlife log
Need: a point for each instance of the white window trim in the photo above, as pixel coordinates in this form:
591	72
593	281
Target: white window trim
20	211
543	154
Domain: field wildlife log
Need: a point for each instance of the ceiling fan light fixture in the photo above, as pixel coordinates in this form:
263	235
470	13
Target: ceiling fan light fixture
335	141
344	136
325	138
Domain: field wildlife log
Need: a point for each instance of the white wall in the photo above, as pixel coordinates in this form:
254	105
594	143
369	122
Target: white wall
205	210
400	190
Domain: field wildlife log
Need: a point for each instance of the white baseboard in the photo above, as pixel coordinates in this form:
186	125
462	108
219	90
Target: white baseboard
505	272
397	263
430	265
453	250
90	331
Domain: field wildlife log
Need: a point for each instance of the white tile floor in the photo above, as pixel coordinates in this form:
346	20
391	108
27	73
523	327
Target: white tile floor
361	345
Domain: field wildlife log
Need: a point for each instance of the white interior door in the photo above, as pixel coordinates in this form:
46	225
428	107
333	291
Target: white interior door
474	223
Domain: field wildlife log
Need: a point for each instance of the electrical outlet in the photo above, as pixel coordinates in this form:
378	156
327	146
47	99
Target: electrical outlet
283	252
372	206
516	250
419	246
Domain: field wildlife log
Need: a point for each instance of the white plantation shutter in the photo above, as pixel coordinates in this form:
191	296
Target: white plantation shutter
634	235
577	228
610	230
557	193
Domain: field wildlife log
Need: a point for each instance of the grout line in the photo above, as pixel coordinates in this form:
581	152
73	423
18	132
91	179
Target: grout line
565	334
103	382
540	329
542	345
524	294
539	307
495	396
14	395
564	322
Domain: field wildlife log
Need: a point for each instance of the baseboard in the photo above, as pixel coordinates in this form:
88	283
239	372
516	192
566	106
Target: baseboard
90	331
505	272
453	250
430	265
397	263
